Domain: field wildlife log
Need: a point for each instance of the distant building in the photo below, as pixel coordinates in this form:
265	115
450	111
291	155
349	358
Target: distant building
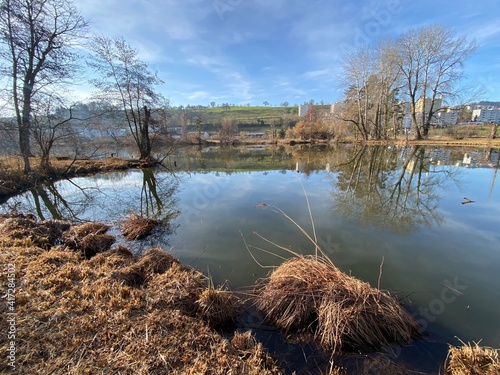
486	115
422	105
335	107
255	134
303	109
446	117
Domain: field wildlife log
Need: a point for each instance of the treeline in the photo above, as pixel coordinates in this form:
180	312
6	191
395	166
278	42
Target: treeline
409	75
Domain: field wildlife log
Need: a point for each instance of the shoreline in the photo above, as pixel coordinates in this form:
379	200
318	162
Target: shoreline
14	182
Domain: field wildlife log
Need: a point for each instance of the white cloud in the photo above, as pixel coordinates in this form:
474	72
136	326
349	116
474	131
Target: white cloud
314	74
198	95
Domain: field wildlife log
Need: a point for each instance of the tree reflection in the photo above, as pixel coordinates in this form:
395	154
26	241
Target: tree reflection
107	197
49	203
157	197
157	201
390	188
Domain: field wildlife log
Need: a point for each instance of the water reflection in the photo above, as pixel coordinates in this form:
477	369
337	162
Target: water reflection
400	203
51	201
393	189
108	197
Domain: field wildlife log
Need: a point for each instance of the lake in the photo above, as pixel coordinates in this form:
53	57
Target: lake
422	221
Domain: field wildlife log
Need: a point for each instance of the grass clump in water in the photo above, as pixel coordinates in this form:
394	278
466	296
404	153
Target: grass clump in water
136	228
310	294
471	359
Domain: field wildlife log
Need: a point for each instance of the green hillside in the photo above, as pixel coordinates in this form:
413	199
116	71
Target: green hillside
249	118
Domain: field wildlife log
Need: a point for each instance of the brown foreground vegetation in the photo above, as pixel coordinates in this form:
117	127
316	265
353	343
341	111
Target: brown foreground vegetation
472	360
82	308
311	295
113	313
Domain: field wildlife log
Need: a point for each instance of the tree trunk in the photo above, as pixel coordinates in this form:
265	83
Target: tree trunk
25	147
144	140
493	134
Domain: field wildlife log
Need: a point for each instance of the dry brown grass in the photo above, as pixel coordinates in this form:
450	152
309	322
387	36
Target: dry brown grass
309	294
138	228
73	317
218	306
25	227
88	238
471	359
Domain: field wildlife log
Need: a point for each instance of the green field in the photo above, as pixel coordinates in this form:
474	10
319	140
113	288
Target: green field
251	118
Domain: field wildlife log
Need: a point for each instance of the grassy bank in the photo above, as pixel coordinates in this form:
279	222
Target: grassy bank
113	313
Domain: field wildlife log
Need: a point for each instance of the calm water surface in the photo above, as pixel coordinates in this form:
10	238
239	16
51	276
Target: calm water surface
404	206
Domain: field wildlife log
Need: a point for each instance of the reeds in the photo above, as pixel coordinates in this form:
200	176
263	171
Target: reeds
218	306
310	294
471	359
137	228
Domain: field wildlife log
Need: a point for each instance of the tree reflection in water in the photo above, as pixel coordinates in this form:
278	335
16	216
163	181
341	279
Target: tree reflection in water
49	203
157	201
104	198
390	188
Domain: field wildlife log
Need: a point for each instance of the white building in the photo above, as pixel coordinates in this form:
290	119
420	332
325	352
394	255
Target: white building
486	115
422	106
303	109
446	117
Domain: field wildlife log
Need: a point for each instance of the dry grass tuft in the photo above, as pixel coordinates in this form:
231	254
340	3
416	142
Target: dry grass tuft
132	276
40	233
88	238
218	306
309	294
471	359
73	317
180	286
156	260
138	228
244	340
153	261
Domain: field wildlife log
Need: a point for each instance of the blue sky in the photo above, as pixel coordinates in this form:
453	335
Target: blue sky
251	51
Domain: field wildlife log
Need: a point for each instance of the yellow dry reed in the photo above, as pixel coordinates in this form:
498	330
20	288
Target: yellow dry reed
74	318
473	359
310	294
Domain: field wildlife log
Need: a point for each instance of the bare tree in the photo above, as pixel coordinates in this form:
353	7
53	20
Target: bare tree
357	70
431	61
36	37
227	129
370	86
127	82
51	124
